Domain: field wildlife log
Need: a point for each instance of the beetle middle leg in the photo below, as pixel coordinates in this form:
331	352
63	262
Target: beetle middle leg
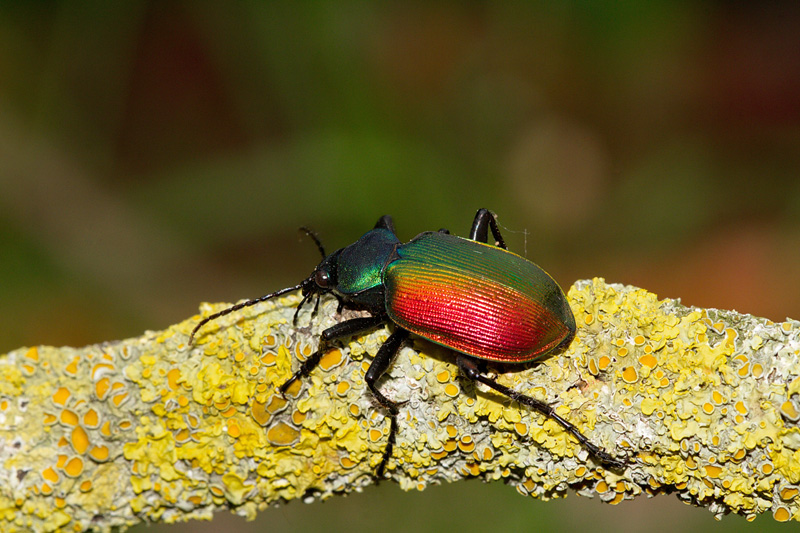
484	220
380	364
470	368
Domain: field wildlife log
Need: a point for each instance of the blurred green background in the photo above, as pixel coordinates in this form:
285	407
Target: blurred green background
154	155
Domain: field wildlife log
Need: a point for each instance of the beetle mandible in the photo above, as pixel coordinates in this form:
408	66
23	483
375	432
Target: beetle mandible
480	300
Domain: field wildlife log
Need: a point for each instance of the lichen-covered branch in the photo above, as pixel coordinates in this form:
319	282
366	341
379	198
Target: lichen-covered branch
703	403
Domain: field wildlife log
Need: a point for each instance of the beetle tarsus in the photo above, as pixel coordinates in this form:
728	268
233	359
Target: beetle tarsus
387	452
305	369
470	369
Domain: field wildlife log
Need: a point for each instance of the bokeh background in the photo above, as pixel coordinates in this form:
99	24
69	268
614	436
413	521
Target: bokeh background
154	155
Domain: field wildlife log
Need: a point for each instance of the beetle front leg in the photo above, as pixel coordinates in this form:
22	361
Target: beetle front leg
470	368
342	330
484	220
380	364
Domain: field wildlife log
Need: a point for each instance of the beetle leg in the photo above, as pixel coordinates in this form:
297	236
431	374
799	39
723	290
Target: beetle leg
380	363
342	330
484	220
470	368
316	306
385	222
303	302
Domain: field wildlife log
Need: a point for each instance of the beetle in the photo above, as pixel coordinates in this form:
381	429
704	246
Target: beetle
480	300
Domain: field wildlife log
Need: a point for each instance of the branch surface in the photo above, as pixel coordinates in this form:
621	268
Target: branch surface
704	404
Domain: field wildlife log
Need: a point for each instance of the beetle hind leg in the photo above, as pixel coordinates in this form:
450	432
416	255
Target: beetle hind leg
484	221
470	368
380	364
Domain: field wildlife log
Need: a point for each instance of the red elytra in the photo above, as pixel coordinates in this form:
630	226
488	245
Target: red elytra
475	298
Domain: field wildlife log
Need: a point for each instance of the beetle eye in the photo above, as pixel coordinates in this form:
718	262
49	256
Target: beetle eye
322	278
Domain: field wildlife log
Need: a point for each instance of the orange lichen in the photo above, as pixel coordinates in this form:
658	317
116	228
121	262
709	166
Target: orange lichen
100	369
74	467
781	514
259	413
173	377
61	396
789	493
629	374
90	418
50	475
80	440
298	417
69	418
99	453
330	360
466	444
648	360
102	387
282	434
276	404
72	368
451	390
119	398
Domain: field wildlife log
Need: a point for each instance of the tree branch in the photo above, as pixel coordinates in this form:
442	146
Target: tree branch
703	403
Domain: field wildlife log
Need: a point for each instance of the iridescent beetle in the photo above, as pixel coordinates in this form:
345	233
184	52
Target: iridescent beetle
480	300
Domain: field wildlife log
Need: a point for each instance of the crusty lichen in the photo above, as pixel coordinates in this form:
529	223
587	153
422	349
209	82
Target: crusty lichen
704	403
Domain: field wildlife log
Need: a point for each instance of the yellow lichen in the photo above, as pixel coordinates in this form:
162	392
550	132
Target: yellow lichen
151	424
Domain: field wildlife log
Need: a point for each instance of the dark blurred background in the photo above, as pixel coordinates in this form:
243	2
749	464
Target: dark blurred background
154	155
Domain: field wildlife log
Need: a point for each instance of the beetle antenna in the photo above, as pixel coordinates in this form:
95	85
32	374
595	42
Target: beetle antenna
236	307
315	238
